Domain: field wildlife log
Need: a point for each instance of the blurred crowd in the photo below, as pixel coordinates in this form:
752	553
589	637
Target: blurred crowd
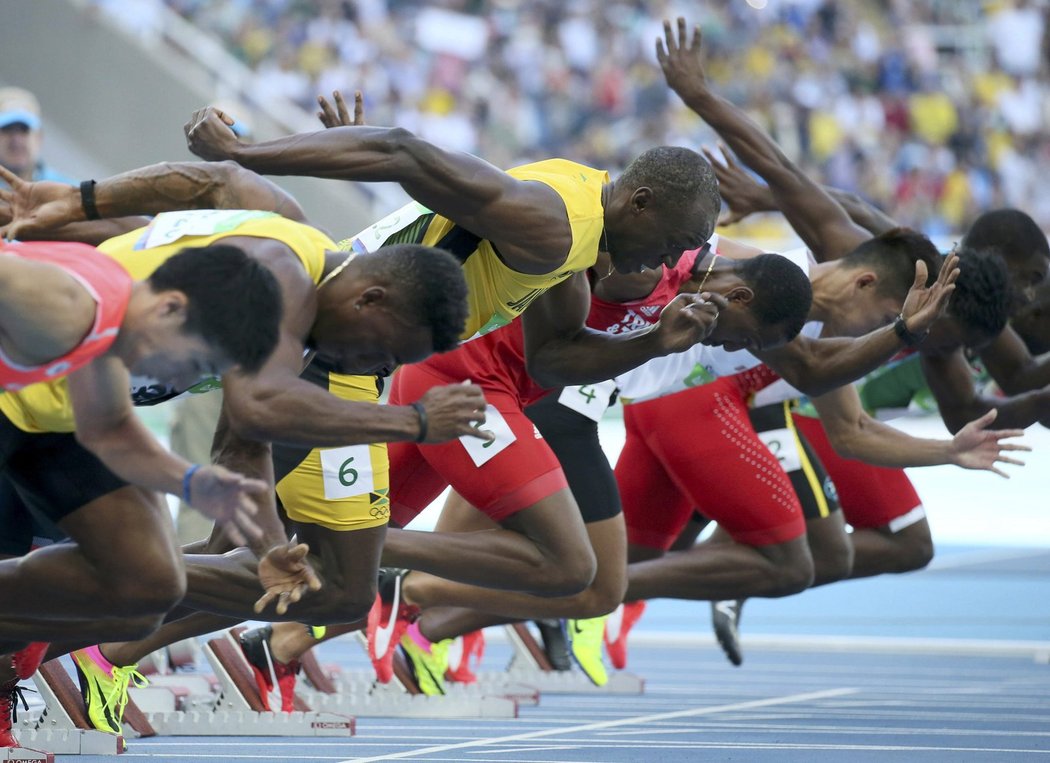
933	109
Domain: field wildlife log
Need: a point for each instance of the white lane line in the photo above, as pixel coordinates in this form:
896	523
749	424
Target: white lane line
697	711
970	558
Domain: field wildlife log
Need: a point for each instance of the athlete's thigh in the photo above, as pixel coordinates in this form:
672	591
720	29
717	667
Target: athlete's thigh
574	439
458	515
126	530
717	459
341	489
871	496
513	471
654	509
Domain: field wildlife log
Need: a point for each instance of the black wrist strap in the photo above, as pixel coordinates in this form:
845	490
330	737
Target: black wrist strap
87	200
900	328
422	421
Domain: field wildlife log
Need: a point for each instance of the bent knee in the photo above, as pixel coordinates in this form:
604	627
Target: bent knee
916	554
834	565
154	594
793	577
600	599
571	577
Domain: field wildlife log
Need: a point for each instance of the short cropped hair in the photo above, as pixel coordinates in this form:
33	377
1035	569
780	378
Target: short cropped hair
1010	233
981	300
679	177
431	285
892	255
233	301
783	293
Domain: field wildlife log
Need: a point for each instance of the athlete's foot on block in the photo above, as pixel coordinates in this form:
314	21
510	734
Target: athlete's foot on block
617	626
10	696
725	618
427	659
555	643
275	679
586	647
105	688
387	621
460	652
27	661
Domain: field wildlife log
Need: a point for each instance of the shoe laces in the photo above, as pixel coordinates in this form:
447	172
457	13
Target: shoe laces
9	700
117	697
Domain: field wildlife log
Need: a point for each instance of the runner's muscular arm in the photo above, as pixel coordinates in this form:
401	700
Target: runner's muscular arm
106	425
951	382
818	366
561	350
821	223
165	187
746	196
1012	366
525	220
855	434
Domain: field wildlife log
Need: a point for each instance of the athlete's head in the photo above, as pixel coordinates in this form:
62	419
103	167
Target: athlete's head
769	298
666	202
881	272
399	304
978	308
1014	236
1032	321
207	309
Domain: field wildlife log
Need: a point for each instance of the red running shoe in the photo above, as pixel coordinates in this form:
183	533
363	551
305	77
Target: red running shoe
275	679
27	661
459	655
387	621
617	627
10	696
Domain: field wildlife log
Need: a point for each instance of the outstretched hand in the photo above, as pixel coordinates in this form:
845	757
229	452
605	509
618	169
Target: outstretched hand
36	207
741	192
977	447
339	115
680	60
286	575
924	305
209	134
226	497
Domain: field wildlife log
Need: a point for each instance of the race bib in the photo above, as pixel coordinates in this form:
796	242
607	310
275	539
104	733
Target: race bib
783	445
372	237
347	472
592	400
480	451
168	227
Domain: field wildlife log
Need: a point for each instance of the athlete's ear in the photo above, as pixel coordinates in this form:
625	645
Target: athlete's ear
373	295
744	295
866	280
641	198
172	303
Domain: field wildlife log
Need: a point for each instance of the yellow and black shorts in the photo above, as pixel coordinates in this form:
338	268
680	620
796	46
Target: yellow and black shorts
345	488
776	428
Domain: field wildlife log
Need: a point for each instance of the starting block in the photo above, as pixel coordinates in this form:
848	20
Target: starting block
62	727
529	666
359	694
238	710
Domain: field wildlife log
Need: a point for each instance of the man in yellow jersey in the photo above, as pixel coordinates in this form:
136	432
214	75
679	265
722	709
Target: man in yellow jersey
360	314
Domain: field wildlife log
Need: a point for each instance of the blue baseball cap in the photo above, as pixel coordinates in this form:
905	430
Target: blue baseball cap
18	106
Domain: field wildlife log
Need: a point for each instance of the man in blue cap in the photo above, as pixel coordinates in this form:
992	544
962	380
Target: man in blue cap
21	136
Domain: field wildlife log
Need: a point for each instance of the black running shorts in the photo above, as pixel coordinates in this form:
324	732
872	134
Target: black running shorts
52	473
574	439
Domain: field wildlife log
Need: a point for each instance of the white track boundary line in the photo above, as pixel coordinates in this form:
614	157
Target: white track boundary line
1037	650
697	711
